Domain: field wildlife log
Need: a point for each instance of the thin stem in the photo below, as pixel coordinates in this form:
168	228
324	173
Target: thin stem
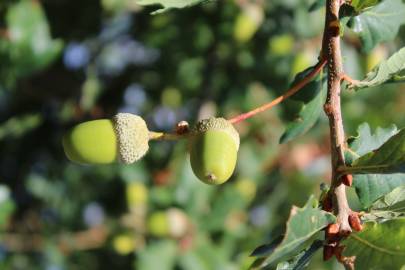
161	136
349	79
281	98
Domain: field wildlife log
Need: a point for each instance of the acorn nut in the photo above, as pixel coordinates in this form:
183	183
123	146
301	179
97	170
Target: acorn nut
123	138
214	146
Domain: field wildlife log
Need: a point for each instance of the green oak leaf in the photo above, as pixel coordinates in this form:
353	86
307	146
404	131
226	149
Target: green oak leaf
302	260
169	4
393	201
390	206
312	98
370	187
304	223
378	246
378	23
387	159
389	70
365	141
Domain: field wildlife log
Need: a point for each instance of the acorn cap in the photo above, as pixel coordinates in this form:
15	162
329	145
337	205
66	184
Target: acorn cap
132	136
218	124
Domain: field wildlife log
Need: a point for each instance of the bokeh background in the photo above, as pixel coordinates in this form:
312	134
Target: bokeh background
63	62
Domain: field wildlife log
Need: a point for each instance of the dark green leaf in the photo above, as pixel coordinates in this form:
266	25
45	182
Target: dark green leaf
387	71
312	89
303	224
378	246
301	261
379	23
266	249
307	117
370	187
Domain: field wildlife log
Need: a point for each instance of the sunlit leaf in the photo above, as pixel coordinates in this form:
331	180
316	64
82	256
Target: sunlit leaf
389	70
379	23
388	158
378	246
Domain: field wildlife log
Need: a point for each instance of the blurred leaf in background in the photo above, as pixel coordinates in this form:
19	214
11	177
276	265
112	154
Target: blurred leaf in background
65	62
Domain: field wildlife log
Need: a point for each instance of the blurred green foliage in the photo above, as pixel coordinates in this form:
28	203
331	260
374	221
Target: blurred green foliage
64	62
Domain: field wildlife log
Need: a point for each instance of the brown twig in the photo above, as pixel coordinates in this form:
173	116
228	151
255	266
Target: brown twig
283	97
331	51
67	242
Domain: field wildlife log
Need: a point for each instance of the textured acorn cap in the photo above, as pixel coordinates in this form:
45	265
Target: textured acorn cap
132	136
218	124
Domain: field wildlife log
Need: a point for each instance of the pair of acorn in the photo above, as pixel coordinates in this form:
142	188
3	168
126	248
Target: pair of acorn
213	144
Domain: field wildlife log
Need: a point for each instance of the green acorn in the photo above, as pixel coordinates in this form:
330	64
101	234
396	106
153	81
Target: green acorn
214	146
124	138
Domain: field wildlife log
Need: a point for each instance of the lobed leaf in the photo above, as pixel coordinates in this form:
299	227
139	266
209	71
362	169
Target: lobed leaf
378	23
371	186
303	224
378	245
389	158
389	70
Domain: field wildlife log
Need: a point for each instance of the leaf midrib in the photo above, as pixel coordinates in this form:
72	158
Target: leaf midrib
372	246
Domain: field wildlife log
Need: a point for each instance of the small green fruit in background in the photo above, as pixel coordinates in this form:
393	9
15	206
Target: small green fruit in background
158	224
214	146
170	223
137	195
124	244
124	138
